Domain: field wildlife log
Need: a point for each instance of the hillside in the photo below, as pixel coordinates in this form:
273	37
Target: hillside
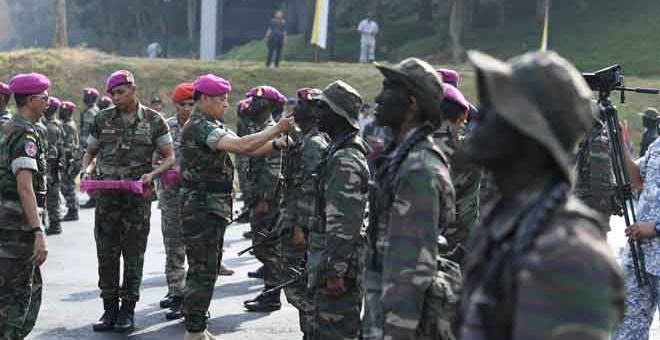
73	69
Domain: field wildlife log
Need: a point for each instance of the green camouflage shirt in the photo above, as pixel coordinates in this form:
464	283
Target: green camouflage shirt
264	172
245	127
55	136
71	141
86	124
125	151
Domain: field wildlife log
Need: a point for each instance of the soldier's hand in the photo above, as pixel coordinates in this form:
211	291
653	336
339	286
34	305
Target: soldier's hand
285	124
147	178
641	230
298	238
336	286
40	252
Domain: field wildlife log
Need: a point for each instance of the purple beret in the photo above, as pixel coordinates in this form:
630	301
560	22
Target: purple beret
4	89
266	92
54	102
105	99
30	83
449	76
455	96
67	105
212	85
91	91
117	78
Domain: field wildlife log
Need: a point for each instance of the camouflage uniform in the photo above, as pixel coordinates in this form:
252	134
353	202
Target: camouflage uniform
297	210
5	116
525	273
42	131
86	122
121	218
72	165
55	158
20	281
168	202
245	127
263	178
206	209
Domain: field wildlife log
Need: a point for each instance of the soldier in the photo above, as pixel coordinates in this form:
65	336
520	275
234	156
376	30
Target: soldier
264	182
104	103
168	201
465	176
22	193
650	119
90	98
341	197
299	166
5	94
206	191
55	159
244	127
525	273
72	164
404	272
122	140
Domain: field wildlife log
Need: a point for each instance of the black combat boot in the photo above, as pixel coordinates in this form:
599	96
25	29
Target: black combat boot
91	203
109	318
125	322
257	274
247	235
54	228
264	304
71	215
176	310
167	301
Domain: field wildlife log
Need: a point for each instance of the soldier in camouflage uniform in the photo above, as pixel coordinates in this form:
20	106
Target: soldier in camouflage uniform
5	94
55	160
168	202
123	140
22	195
411	292
650	119
299	165
264	186
72	164
335	233
90	99
526	276
244	127
206	192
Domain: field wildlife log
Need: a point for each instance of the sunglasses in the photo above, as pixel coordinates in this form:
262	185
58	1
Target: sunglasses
43	96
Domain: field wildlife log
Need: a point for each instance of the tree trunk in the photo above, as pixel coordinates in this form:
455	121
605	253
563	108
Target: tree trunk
61	35
456	20
192	20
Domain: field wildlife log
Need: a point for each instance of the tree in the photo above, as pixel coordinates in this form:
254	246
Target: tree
456	27
61	35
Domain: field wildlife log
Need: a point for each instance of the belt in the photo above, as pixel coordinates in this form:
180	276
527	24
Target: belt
12	196
209	186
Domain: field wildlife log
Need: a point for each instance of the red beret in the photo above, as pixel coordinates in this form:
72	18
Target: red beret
449	76
4	89
455	96
67	105
31	83
307	93
117	78
91	91
54	102
212	85
267	92
183	91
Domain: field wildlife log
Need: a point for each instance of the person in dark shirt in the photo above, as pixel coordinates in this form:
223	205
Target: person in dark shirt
275	39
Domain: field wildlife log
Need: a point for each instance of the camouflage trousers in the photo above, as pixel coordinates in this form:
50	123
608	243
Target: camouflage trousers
20	286
203	235
268	253
53	201
121	231
337	317
639	308
175	251
69	192
294	257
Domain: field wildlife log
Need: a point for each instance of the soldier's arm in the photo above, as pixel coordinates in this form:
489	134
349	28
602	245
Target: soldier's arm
344	210
303	208
256	144
92	147
409	262
562	296
163	141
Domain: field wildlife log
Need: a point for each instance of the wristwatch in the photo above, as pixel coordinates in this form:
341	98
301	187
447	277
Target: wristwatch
36	230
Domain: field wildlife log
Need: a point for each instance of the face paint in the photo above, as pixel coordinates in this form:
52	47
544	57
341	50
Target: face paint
392	103
494	141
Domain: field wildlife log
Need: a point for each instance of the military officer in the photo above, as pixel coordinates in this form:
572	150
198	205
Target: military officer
55	159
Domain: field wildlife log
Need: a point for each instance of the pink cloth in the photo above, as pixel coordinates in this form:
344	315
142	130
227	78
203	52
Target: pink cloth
170	177
267	92
31	83
136	187
117	78
212	85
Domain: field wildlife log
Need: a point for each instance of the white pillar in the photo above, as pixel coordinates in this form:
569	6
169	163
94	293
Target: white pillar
208	29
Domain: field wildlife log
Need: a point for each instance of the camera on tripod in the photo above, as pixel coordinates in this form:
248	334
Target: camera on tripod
605	80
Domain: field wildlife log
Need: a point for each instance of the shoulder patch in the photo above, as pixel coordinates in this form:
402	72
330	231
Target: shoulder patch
31	148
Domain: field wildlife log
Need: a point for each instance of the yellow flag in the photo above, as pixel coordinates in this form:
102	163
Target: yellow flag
320	28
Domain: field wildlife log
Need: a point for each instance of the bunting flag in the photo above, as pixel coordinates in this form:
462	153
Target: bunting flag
546	27
320	28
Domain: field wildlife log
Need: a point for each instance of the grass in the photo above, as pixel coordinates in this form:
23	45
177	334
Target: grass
73	69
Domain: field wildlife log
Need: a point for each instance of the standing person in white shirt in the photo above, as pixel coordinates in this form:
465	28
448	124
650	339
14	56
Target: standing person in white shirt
368	29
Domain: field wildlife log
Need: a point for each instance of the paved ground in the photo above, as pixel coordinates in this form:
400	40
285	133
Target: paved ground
71	302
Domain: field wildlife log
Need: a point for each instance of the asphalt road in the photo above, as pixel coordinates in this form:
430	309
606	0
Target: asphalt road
71	297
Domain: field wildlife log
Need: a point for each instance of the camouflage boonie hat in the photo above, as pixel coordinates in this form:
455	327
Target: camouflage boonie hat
541	95
343	100
650	113
420	78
